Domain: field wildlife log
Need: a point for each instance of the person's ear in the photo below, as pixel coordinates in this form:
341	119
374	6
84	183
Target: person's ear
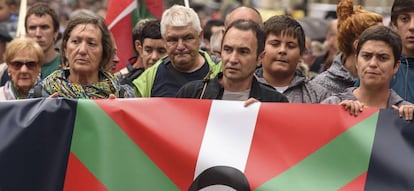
138	46
201	35
260	58
55	36
396	66
355	44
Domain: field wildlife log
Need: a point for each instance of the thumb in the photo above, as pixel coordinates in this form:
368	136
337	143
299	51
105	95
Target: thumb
112	96
54	95
395	107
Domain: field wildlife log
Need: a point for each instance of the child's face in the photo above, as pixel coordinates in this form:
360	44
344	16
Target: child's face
282	55
405	26
5	11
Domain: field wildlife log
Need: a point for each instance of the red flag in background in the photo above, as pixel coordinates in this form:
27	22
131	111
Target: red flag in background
121	17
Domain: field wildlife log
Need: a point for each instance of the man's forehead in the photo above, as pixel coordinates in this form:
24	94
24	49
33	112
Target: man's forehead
37	18
237	35
180	30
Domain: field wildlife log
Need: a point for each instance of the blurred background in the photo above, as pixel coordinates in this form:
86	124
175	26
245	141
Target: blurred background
297	8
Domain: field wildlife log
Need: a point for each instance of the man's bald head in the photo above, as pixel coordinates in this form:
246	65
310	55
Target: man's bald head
243	13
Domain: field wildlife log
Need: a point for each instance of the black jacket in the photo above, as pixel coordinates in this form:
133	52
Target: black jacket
214	90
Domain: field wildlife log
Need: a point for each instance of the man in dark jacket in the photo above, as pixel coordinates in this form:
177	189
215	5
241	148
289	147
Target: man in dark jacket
243	43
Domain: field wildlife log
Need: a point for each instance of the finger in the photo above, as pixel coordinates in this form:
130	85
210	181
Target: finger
54	95
395	107
357	107
408	113
250	101
401	111
112	96
346	105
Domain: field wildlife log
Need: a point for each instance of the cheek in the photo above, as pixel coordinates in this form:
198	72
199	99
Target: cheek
36	72
170	50
270	49
68	51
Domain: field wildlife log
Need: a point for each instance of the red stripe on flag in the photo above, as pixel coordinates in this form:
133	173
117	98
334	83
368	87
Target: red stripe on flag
166	140
122	32
155	7
358	184
115	7
294	143
78	177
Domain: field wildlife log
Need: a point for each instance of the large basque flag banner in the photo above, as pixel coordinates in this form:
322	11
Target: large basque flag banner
188	144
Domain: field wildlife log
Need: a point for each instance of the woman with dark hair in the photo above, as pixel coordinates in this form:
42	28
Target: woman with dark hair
87	50
378	51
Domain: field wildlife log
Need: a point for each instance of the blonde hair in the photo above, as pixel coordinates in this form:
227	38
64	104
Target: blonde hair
351	23
23	44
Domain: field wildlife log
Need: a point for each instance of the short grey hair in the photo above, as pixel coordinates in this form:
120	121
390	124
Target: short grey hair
179	16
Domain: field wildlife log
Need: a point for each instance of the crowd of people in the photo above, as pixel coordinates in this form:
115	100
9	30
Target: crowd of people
240	57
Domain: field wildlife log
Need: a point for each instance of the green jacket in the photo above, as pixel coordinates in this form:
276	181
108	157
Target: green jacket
143	84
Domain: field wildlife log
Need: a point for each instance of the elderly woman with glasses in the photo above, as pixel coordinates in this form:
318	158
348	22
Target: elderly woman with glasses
23	57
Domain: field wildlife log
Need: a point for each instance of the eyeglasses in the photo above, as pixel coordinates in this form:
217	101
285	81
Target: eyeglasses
18	64
173	41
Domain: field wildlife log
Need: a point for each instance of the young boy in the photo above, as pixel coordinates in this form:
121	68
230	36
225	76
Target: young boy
284	46
402	17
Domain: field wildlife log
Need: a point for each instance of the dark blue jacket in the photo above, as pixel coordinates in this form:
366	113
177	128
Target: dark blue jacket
403	81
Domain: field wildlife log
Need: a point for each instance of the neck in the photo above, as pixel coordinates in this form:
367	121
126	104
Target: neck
236	85
50	55
23	93
138	63
408	53
350	65
279	79
191	67
84	78
373	97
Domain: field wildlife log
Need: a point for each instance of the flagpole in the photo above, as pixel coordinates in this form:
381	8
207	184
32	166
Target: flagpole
21	31
186	3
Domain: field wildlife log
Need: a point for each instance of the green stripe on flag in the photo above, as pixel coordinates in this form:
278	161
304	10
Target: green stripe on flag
143	12
333	165
111	155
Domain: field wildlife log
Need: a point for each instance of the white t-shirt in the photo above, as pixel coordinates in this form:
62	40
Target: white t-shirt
281	89
240	96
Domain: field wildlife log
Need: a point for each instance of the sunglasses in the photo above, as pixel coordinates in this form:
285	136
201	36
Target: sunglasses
18	64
